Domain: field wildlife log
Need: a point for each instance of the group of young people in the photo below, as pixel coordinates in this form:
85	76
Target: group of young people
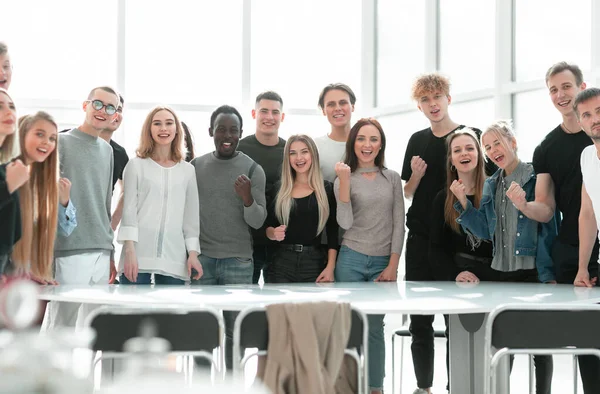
305	210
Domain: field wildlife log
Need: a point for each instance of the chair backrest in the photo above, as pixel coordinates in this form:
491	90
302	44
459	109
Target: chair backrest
518	326
539	329
253	329
186	330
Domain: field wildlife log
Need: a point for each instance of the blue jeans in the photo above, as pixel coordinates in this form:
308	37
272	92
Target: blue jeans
145	279
226	271
353	266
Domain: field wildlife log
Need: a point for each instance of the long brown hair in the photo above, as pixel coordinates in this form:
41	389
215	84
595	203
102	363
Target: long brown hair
350	158
146	147
284	202
6	149
39	207
450	214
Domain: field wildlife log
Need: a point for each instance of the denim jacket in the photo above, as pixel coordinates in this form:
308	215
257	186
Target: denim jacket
482	223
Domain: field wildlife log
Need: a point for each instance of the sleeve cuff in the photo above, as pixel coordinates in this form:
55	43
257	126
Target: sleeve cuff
127	233
192	244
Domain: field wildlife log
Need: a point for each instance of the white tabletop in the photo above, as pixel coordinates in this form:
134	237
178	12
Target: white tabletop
370	297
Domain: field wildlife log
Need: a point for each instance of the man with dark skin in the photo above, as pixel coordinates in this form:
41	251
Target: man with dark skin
232	198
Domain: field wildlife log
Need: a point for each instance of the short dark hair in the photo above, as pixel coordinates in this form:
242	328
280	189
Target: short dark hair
269	95
3	48
336	86
107	89
121	99
225	109
584	96
564	66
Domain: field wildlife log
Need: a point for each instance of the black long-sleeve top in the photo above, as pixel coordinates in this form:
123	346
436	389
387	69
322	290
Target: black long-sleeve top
10	215
445	244
304	220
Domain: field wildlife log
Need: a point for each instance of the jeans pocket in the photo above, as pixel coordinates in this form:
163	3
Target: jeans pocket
243	260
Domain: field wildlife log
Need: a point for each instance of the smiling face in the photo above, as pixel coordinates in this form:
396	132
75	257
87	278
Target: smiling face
226	133
8	116
99	119
268	117
338	108
589	117
499	149
563	88
40	141
300	157
367	145
5	71
434	105
163	128
464	154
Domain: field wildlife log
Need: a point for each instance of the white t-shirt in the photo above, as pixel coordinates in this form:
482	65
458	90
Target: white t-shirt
590	169
330	152
161	215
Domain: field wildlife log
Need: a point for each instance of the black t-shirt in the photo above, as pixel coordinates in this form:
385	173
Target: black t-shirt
433	151
445	244
270	159
10	215
304	220
558	155
120	161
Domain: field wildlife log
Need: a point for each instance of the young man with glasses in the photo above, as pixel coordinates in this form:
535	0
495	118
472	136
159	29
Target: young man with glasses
86	256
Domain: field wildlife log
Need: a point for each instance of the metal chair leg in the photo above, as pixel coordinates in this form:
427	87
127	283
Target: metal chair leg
574	374
393	363
531	375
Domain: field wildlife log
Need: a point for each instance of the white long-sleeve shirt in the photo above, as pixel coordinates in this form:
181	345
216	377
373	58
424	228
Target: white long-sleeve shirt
161	216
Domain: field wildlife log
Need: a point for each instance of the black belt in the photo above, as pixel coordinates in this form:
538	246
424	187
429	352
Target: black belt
298	248
465	256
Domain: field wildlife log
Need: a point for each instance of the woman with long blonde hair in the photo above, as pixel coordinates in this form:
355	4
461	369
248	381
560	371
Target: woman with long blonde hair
304	207
161	223
44	199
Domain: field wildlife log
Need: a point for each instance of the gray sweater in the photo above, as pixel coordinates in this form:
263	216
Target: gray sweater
224	221
374	217
88	163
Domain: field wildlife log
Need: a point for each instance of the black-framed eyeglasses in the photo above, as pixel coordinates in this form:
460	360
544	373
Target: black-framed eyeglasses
98	105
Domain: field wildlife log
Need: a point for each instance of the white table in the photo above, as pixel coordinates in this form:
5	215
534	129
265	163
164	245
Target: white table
466	303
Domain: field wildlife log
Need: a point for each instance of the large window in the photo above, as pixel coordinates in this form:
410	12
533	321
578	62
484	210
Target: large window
400	49
298	47
183	52
398	129
56	54
467	43
478	114
543	38
535	116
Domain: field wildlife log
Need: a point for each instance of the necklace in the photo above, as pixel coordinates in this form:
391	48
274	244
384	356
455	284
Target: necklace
564	126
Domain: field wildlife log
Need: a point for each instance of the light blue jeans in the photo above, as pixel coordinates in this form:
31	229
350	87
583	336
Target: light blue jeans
226	271
353	266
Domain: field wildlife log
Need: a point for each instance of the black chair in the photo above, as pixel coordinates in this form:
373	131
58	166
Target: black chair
251	330
539	329
190	332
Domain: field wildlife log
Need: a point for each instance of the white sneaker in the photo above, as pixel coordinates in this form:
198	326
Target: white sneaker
420	391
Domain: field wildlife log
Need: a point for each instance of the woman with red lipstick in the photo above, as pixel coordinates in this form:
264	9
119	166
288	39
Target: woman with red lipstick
370	207
160	226
304	207
12	176
44	199
521	246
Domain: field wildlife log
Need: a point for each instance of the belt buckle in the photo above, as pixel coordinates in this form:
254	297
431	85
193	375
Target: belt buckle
298	248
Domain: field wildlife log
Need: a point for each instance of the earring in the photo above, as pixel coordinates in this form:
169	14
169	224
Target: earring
452	168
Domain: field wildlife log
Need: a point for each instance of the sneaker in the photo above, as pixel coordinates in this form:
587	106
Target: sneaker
420	391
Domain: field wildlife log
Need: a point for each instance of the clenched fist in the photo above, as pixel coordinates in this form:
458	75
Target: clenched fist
460	191
418	166
17	174
516	194
64	191
342	171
